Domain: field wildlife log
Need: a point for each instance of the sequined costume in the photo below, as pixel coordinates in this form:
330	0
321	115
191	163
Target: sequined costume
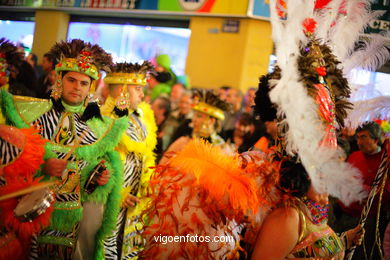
316	240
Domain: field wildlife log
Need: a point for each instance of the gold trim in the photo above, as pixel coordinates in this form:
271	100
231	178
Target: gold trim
126	78
209	110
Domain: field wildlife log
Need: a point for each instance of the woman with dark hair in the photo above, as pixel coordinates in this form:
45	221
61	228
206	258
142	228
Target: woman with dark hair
299	222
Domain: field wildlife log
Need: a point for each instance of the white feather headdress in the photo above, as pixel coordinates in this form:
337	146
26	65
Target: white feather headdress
339	23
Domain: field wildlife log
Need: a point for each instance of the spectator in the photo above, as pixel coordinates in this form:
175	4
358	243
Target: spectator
180	119
234	98
48	79
22	80
175	95
32	59
222	92
162	108
249	100
367	161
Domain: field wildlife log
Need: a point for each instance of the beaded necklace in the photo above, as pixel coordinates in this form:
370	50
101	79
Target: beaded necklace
319	214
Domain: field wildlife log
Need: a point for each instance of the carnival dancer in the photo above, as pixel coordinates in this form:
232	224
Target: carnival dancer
199	193
22	153
126	85
206	122
310	93
81	140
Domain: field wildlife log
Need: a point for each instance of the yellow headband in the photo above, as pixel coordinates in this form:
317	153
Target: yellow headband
209	110
126	78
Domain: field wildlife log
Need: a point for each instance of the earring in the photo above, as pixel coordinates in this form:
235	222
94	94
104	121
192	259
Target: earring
57	90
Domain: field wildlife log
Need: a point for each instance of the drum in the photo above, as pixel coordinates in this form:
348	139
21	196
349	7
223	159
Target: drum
91	183
34	204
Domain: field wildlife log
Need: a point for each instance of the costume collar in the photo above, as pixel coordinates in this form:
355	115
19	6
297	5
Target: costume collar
73	109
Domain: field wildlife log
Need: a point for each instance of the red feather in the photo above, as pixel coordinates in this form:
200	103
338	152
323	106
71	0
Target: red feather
319	4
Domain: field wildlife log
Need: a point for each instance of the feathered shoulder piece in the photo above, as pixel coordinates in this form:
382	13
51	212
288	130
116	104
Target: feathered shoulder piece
129	73
207	102
82	57
9	54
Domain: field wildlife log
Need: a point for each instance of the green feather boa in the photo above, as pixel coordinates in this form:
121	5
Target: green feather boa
112	206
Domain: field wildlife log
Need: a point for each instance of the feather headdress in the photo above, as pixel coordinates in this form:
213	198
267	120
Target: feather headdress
82	57
9	55
314	39
127	74
207	102
341	26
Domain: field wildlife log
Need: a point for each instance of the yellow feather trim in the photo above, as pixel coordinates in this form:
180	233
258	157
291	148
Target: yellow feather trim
144	148
124	192
219	174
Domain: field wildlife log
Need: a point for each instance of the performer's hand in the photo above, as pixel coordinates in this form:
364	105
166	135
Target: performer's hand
130	201
355	236
54	167
103	178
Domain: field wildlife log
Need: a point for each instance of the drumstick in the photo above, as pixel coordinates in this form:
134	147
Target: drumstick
27	190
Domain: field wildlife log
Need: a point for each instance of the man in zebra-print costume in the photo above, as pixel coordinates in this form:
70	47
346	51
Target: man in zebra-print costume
79	140
126	85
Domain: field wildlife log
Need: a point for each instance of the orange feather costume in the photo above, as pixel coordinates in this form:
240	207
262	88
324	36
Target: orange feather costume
18	174
205	193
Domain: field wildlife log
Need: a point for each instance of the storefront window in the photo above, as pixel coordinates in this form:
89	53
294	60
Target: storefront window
19	32
133	43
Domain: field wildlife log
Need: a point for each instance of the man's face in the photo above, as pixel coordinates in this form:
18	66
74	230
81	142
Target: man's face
46	64
251	97
366	143
136	95
222	94
199	120
75	88
185	104
233	98
176	92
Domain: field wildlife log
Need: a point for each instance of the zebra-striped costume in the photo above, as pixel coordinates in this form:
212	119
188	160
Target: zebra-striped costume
133	167
8	152
63	128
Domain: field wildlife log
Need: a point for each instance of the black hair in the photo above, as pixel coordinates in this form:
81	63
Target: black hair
373	129
163	77
263	104
51	58
294	178
34	58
